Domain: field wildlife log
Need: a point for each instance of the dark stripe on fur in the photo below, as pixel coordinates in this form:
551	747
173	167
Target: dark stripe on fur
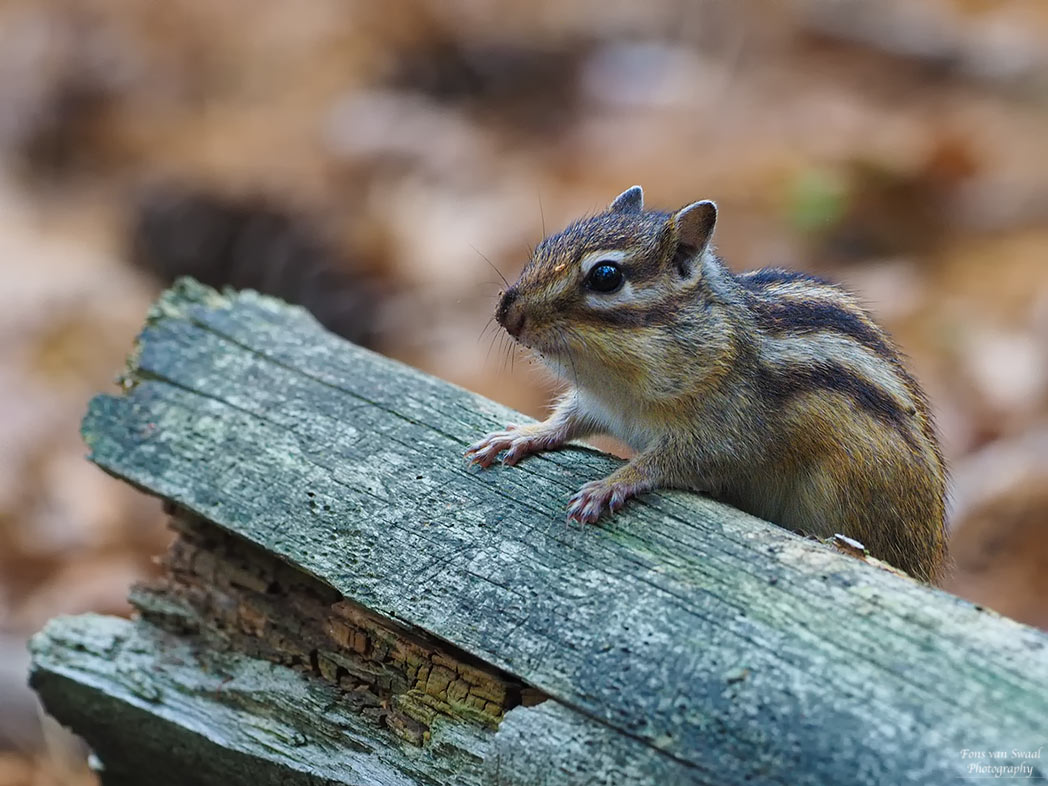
783	316
641	271
665	312
778	317
759	280
624	317
778	386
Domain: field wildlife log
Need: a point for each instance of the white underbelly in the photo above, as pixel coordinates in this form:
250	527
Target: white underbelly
627	424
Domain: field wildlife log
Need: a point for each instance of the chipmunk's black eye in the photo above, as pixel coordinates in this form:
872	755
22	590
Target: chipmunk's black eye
604	277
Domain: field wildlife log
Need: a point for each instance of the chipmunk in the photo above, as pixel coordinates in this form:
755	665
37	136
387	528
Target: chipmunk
773	391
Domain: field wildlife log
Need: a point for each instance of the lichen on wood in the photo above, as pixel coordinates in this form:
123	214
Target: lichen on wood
171	710
679	642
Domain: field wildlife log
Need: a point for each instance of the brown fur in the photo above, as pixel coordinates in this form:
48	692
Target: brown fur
771	390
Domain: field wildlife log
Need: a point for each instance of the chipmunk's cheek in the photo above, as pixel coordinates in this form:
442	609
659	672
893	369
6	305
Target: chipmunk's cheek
534	339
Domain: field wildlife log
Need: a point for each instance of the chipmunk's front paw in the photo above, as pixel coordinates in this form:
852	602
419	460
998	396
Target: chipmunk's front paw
487	450
516	441
598	496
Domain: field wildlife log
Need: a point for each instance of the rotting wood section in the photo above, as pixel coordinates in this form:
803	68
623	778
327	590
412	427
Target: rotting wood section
172	710
217	585
680	642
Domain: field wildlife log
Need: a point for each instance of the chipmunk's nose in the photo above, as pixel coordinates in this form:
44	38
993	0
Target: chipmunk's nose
509	314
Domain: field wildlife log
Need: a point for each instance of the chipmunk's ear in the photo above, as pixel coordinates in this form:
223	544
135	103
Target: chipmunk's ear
694	226
629	201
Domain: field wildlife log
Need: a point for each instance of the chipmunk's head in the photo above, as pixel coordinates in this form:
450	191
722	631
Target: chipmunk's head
596	299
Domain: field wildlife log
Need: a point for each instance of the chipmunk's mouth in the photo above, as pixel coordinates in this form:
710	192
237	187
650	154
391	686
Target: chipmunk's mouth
545	341
538	349
527	339
551	349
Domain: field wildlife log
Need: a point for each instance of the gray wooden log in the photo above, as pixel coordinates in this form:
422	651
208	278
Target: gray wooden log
160	711
680	642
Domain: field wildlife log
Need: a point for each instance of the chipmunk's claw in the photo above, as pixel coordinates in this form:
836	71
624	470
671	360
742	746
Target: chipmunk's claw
517	441
514	440
518	449
487	450
597	497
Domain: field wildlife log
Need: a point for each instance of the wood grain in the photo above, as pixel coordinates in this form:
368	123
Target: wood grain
682	641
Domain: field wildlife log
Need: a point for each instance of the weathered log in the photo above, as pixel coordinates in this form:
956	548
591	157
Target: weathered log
348	602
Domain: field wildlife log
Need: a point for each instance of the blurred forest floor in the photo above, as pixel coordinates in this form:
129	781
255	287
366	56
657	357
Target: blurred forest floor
361	158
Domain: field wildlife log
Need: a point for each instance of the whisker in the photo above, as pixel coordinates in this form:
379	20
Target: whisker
485	330
571	358
491	344
477	285
492	265
505	350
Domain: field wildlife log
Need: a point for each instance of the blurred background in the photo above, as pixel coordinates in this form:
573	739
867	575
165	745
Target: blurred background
362	158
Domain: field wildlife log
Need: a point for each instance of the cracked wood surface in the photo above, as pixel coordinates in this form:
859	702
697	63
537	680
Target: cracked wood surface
164	710
682	639
237	596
